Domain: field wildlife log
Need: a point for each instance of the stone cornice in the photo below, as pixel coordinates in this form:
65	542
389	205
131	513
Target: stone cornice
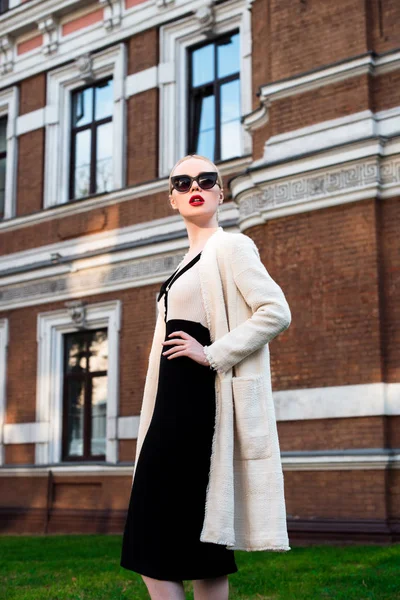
304	82
262	197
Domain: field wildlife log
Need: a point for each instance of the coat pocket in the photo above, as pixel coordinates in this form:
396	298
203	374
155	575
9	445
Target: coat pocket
251	418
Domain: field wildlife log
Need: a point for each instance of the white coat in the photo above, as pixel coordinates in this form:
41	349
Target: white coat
245	309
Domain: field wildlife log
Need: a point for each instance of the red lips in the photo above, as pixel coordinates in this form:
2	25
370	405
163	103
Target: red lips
196	198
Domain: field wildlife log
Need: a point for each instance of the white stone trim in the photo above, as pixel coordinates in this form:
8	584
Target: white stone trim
128	428
299	84
50	329
329	134
26	433
60	84
338	402
31	121
38	433
175	39
9	106
110	199
108	272
118	25
141	81
3	381
68	470
346	460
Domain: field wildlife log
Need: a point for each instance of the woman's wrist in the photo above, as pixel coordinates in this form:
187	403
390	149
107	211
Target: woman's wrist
207	359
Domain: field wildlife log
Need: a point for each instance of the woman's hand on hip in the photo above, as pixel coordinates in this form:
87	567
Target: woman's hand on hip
185	345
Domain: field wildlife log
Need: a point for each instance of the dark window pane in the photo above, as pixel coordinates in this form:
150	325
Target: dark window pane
75	415
206	139
228	58
99	410
104	100
82	163
75	354
203	65
3	135
82	107
104	165
98	352
230	120
2	184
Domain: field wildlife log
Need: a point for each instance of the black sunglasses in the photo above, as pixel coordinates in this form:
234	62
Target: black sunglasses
183	183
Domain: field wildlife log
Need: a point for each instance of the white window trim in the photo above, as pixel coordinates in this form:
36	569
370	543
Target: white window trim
9	107
60	84
3	378
50	330
175	39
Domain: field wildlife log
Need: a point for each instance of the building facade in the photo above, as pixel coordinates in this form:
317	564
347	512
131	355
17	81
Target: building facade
298	102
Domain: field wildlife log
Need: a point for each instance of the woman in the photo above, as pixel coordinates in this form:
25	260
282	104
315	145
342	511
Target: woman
207	477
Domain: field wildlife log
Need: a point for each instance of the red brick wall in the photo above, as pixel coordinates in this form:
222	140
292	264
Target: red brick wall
332	434
388	219
32	93
142	112
322	104
130	212
30	172
143	51
325	260
305	35
261	49
383	17
336	494
385	90
19	454
142	126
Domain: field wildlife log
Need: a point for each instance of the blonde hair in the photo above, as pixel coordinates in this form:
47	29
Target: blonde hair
187	157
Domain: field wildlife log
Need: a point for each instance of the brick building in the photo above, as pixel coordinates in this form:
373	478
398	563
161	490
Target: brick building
299	103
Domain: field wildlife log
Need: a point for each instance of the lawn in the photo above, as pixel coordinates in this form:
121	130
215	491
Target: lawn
87	568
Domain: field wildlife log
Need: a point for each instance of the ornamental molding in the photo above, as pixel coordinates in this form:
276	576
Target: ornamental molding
50	30
77	311
84	67
374	177
69	285
113	10
6	55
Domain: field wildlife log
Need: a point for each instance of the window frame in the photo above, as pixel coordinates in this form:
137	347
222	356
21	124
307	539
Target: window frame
93	127
49	392
110	63
217	83
87	409
175	39
4	6
8	108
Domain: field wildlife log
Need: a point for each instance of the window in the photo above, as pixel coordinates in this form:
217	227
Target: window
85	395
214	127
3	160
91	140
3	6
79	127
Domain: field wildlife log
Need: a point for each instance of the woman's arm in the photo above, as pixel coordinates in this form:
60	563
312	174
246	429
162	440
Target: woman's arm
271	312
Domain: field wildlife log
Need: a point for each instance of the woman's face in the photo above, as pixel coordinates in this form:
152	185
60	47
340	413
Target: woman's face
180	201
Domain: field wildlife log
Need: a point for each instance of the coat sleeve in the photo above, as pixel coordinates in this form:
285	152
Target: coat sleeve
271	312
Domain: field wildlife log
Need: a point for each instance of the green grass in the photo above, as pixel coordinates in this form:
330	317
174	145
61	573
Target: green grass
86	567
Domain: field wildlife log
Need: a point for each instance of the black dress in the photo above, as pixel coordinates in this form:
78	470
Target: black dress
166	510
